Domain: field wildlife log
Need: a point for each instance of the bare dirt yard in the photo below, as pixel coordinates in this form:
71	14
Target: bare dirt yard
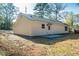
14	45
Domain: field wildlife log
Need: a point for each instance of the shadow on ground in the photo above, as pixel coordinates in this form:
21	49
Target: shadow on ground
52	40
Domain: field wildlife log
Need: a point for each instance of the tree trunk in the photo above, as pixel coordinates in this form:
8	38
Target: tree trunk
56	15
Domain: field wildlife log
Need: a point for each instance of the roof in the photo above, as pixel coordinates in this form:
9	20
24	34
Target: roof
35	18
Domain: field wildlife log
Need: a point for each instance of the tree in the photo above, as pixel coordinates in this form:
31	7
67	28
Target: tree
77	18
41	9
1	21
70	20
8	11
48	9
64	15
57	7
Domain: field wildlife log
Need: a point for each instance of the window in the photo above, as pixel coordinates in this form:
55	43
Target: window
48	27
43	26
65	28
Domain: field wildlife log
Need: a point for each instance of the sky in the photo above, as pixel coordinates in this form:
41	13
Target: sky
71	7
28	6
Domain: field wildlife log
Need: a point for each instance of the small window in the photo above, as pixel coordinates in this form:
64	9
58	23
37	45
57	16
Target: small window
66	28
43	26
48	27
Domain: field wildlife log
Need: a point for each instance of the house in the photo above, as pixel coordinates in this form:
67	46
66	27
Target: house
34	26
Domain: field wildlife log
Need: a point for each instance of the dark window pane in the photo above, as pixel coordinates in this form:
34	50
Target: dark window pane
48	27
65	28
43	26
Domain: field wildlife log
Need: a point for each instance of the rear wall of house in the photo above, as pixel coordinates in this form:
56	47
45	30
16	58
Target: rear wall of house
54	28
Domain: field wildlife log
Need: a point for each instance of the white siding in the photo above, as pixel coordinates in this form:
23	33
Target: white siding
22	26
54	28
37	28
58	28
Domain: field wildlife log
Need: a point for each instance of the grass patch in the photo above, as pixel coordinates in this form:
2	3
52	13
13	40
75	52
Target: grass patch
13	45
67	46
